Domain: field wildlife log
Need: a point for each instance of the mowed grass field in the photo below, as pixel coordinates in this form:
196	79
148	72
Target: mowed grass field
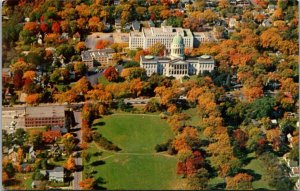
137	165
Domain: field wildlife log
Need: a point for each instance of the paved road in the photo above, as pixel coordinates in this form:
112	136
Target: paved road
78	160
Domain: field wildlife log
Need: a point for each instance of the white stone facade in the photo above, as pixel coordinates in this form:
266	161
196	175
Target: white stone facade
176	65
164	35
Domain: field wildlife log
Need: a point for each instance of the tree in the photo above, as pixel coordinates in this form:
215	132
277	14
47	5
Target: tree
199	180
252	93
70	164
87	184
21	65
5	177
101	44
157	49
10	170
241	181
31	26
44	27
136	86
95	25
20	155
55	27
111	74
294	154
69	144
33	99
80	68
80	46
49	137
17	79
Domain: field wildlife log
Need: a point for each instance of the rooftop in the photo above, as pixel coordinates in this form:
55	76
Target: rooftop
87	55
45	111
166	31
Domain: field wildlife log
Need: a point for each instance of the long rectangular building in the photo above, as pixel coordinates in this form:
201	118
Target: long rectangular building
101	57
164	35
53	115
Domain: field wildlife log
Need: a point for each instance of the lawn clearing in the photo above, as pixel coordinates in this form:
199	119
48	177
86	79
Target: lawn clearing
137	165
258	167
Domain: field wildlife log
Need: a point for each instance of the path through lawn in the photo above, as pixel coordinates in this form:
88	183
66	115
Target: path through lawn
137	165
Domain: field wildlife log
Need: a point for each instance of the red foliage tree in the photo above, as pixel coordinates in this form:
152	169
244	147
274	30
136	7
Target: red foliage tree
44	27
191	164
18	81
56	27
111	74
240	138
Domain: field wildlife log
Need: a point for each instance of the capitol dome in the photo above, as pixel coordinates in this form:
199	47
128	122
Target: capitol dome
178	40
177	47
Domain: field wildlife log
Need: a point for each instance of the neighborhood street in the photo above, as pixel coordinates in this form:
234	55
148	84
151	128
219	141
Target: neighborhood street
78	160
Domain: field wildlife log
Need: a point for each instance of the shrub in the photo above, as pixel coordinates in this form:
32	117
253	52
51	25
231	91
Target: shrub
103	142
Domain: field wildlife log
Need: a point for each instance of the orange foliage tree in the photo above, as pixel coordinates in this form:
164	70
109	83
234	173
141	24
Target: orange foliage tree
49	137
87	184
33	99
70	164
241	181
101	44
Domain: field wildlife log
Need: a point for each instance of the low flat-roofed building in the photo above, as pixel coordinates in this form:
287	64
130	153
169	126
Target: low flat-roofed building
45	115
101	57
10	114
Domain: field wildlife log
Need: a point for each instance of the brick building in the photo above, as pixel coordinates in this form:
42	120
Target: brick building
33	116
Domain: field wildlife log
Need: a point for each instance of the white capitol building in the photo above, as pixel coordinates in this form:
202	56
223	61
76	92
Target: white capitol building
176	65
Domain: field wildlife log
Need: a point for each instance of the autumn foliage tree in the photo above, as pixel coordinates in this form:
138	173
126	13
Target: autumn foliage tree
55	27
111	74
101	44
87	184
241	181
33	99
70	164
49	137
157	49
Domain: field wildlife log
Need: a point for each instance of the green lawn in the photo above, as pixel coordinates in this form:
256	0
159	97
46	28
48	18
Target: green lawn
102	80
136	166
193	113
260	170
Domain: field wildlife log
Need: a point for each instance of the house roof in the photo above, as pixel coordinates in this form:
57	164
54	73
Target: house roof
136	25
57	172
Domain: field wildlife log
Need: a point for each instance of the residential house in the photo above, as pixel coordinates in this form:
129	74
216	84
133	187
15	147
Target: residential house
266	23
6	75
64	36
293	165
31	154
57	174
271	8
232	22
12	154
